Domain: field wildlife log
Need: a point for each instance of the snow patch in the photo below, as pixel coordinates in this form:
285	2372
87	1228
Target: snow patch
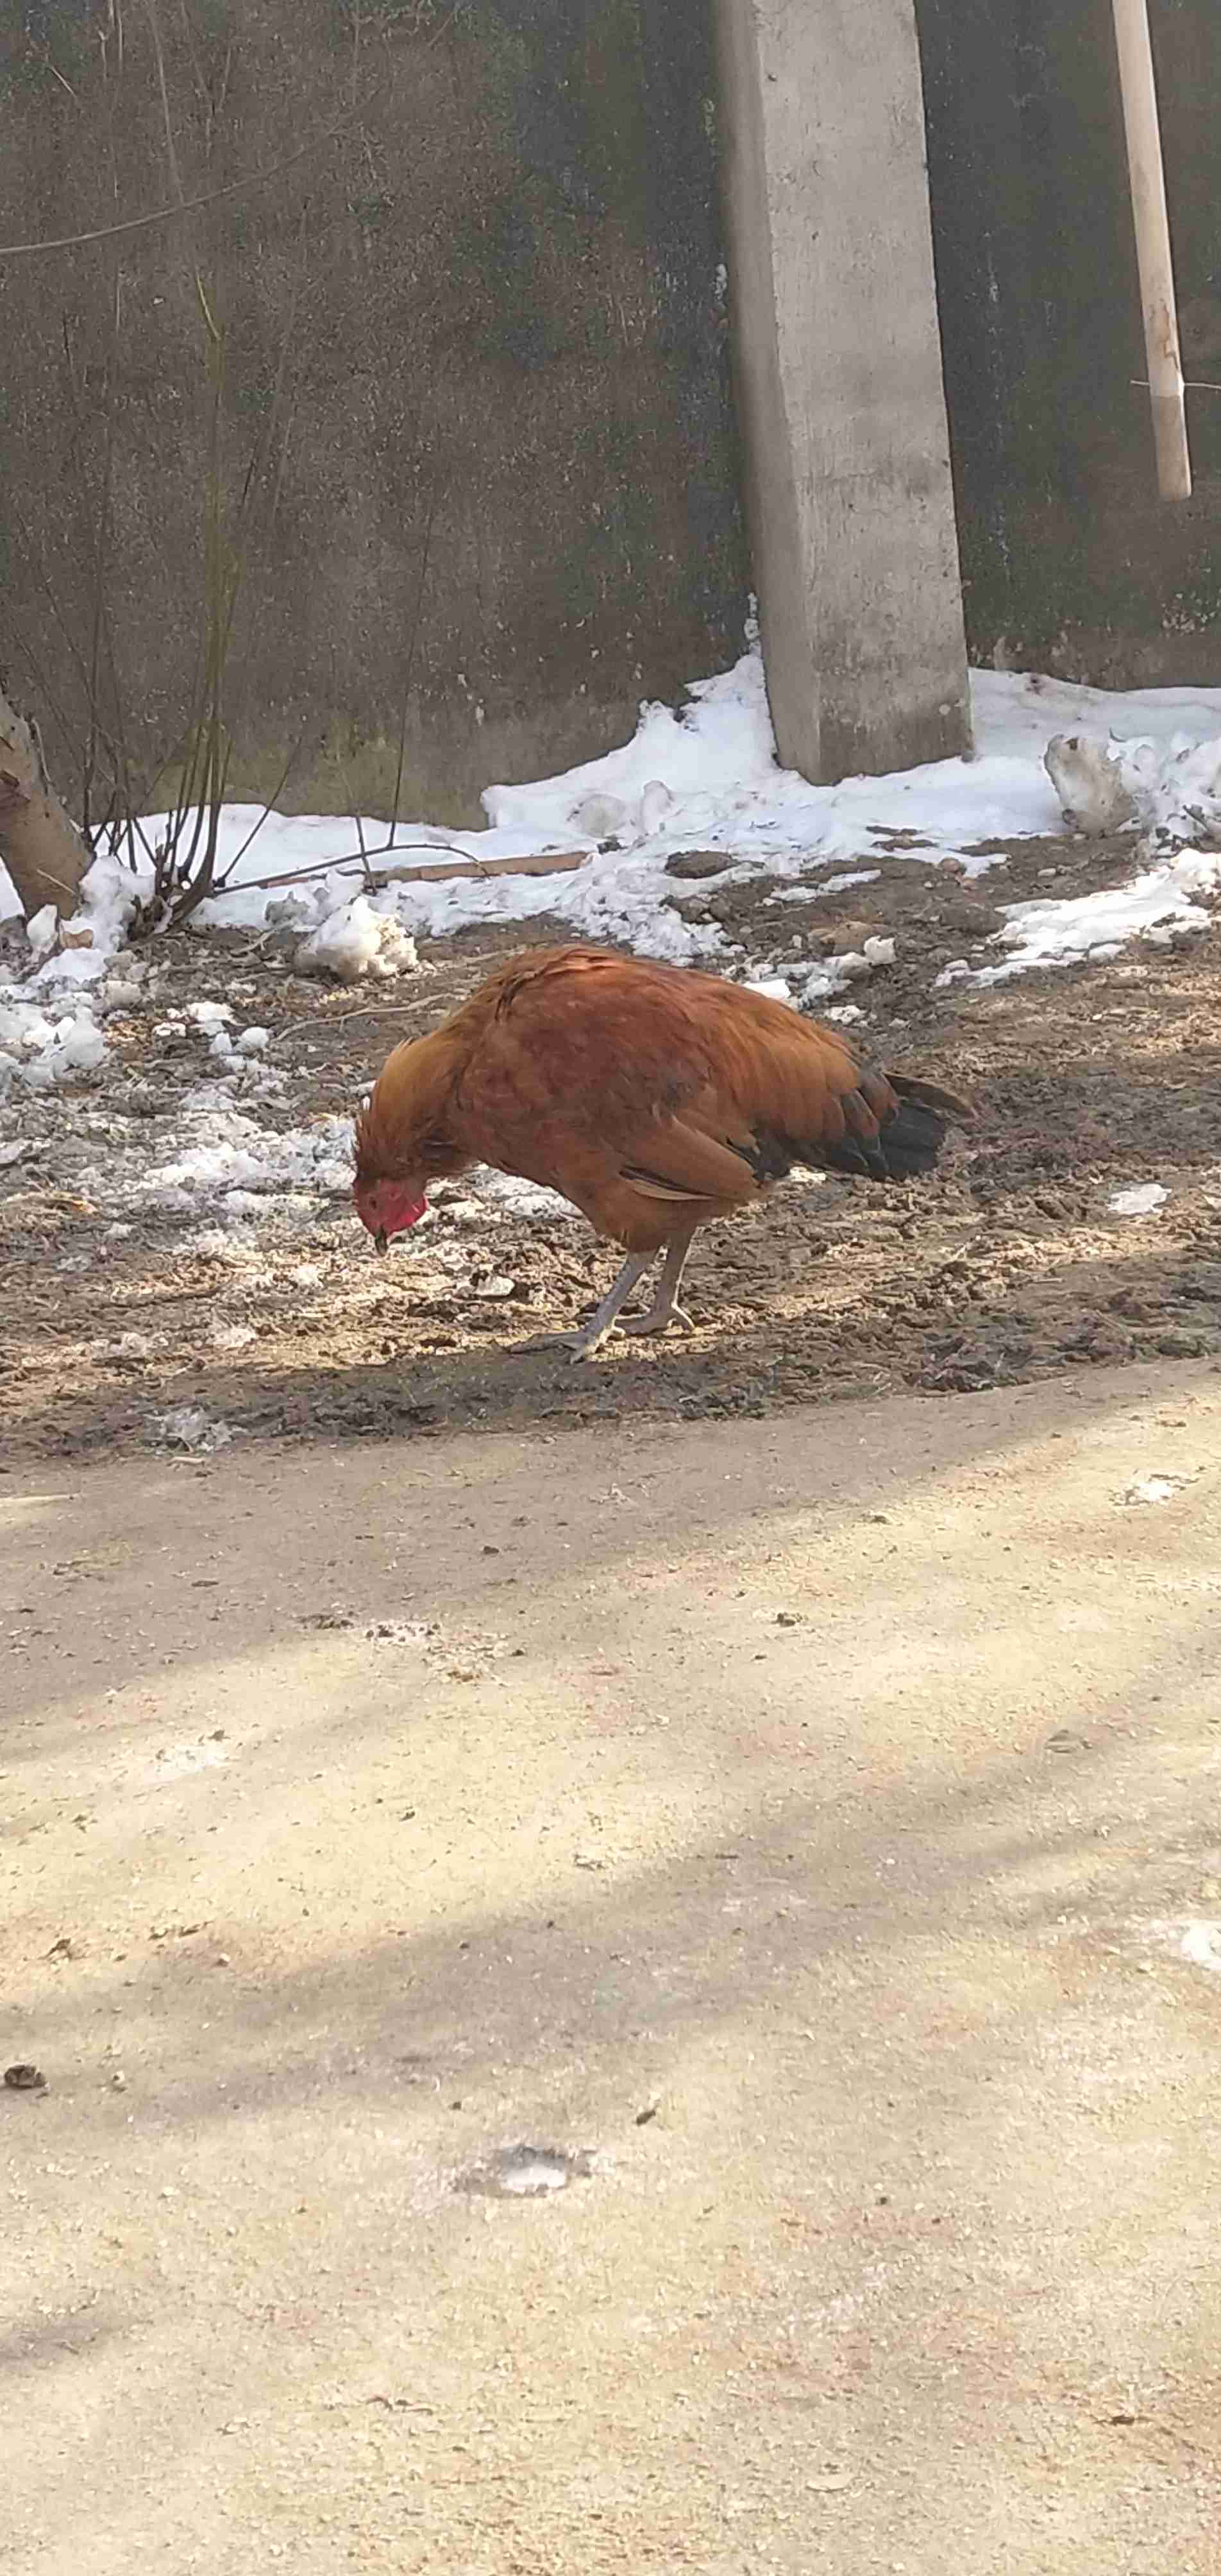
38	1051
827	885
810	985
227	1166
1140	1200
41	928
360	936
1157	905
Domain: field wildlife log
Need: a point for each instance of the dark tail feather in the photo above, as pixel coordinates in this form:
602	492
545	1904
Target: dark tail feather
909	1141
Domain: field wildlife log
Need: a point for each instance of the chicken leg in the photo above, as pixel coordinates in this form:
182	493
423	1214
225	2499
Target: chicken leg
665	1306
602	1322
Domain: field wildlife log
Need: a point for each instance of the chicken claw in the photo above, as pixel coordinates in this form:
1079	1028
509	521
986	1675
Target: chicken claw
655	1319
658	1319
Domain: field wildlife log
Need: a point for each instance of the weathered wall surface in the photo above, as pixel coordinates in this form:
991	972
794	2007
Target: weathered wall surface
476	353
477	368
1070	561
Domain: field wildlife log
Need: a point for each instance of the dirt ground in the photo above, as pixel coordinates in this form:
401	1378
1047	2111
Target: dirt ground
1008	1266
637	1998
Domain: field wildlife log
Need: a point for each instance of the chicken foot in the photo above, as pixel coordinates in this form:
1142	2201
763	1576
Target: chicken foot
602	1322
665	1308
656	1317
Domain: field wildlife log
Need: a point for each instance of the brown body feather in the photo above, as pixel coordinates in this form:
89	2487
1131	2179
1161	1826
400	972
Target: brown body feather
652	1097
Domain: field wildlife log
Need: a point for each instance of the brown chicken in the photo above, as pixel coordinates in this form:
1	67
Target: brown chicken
653	1098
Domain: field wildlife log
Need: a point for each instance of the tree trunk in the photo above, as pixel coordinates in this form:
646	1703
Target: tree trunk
44	853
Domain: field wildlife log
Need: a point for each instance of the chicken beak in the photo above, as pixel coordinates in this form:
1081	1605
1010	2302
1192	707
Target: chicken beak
380	1240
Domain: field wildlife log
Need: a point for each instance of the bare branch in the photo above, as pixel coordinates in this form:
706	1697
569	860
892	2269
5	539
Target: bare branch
189	205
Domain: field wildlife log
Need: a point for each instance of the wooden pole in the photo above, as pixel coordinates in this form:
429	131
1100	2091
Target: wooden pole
1148	180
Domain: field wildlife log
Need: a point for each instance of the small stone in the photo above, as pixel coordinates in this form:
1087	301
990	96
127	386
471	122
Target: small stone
25	2079
698	863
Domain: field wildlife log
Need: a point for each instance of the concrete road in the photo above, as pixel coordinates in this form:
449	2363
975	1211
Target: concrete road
802	1836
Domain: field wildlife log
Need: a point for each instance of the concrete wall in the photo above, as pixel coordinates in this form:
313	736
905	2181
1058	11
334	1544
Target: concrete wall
839	379
478	351
501	472
1069	560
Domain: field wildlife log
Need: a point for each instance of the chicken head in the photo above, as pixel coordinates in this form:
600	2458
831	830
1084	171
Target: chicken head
388	1207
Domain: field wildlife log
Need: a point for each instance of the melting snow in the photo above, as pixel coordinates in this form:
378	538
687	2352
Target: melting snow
701	776
357	938
1141	1200
1157	905
827	885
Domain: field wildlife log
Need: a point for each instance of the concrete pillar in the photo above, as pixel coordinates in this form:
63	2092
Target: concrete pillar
840	390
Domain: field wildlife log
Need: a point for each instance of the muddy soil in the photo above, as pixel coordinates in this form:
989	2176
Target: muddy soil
1009	1265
